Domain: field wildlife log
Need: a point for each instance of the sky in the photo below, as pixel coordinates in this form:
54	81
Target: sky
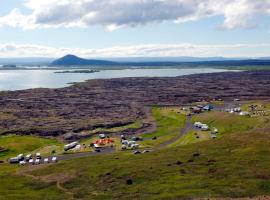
135	28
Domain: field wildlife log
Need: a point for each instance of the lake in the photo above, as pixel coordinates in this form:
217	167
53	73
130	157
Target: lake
41	78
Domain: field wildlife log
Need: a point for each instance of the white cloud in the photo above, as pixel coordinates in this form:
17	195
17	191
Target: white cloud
147	50
114	14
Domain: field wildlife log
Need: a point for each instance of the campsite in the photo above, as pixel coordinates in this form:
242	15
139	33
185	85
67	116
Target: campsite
179	150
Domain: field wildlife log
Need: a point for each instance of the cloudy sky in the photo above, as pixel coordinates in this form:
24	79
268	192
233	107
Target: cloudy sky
126	28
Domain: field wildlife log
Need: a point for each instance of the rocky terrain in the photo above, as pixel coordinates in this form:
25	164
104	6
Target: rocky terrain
118	102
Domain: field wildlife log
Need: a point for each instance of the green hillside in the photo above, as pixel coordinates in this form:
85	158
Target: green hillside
236	164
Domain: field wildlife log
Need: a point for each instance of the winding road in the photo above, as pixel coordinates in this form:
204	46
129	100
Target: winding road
109	150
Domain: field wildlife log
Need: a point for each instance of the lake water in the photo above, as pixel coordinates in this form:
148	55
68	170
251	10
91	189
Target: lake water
27	79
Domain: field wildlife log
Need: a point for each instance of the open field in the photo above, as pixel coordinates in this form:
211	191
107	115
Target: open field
169	123
230	123
23	144
234	165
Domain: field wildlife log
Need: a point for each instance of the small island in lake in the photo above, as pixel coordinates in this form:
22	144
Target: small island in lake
77	71
9	66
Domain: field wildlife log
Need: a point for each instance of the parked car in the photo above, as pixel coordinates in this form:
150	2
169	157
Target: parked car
14	160
22	162
136	152
20	157
28	157
38	156
37	161
46	160
54	159
31	161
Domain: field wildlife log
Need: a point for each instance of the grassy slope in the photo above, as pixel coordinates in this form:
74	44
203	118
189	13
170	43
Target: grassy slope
22	144
229	123
234	165
190	138
169	123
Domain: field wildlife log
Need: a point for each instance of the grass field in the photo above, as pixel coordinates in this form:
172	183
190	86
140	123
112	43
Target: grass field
23	144
191	137
230	123
234	165
169	123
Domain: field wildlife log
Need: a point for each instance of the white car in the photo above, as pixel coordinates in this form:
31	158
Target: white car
54	159
31	161
205	128
22	163
37	161
125	142
46	160
28	157
198	124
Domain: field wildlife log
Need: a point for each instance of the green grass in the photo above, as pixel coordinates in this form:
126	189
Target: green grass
169	123
191	138
230	123
23	144
235	165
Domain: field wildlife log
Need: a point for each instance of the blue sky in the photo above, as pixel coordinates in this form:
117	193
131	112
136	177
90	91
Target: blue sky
29	28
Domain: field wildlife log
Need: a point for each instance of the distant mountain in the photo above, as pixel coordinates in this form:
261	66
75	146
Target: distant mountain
72	60
170	59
